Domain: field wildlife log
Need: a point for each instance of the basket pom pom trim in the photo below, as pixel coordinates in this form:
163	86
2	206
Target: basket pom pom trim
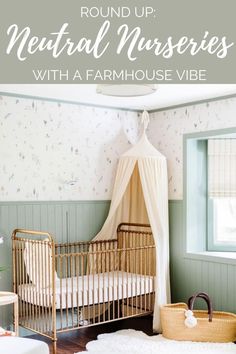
190	320
188	313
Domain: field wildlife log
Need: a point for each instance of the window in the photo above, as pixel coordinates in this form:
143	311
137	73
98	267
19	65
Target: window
221	218
210	194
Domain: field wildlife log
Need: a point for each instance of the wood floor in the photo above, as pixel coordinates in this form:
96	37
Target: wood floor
75	341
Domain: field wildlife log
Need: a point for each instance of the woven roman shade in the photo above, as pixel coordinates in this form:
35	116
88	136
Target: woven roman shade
221	168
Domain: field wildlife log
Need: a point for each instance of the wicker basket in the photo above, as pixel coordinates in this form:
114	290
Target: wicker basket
210	327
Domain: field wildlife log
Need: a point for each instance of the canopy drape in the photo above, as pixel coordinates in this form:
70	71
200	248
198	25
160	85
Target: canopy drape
140	195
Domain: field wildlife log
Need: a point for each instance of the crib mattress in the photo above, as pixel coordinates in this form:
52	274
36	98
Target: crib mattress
89	289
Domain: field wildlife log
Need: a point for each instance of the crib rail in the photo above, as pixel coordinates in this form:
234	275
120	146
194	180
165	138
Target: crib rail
67	286
77	247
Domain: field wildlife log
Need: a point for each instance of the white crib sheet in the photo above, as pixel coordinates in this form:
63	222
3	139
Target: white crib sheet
89	289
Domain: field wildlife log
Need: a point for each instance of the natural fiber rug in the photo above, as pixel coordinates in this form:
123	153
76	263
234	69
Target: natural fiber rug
135	342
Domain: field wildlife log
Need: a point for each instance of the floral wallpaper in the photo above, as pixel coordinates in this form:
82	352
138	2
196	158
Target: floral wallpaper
58	151
166	131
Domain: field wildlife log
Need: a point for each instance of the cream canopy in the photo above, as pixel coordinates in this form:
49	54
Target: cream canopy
141	195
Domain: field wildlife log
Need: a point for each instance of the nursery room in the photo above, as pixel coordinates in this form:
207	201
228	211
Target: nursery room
117	219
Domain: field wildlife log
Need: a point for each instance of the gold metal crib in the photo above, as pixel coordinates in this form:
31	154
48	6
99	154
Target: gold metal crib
62	287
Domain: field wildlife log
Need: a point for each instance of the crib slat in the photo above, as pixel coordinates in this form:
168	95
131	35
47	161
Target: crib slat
93	283
21	281
66	277
82	274
149	283
44	260
36	275
96	261
60	263
89	258
77	272
114	284
145	285
108	306
131	281
118	288
141	276
103	285
71	259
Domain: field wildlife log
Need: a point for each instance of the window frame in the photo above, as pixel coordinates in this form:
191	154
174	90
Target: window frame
197	242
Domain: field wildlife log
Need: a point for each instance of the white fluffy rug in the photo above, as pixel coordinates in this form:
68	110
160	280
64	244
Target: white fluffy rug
136	342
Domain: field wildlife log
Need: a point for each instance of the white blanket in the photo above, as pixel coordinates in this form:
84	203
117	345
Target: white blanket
136	342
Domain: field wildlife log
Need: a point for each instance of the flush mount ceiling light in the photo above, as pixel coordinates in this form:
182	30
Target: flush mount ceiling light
126	90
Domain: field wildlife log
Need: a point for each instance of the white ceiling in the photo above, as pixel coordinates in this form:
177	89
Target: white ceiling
165	96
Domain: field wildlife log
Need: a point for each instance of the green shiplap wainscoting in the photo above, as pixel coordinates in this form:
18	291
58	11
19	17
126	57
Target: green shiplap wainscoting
81	220
189	275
